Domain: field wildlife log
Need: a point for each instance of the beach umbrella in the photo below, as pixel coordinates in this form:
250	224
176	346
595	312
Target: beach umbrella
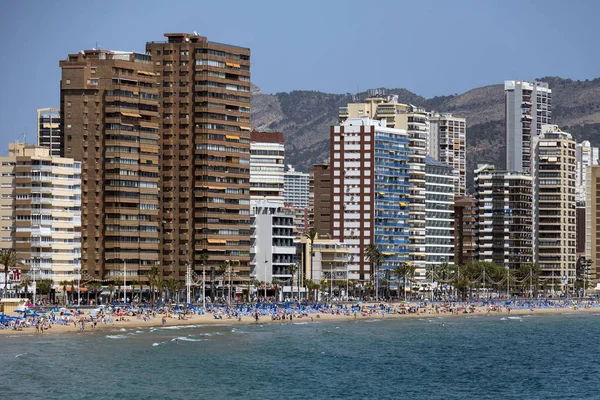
20	311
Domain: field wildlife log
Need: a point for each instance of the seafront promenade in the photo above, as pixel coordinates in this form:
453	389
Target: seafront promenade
64	320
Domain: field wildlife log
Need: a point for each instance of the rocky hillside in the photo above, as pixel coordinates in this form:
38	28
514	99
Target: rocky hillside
304	117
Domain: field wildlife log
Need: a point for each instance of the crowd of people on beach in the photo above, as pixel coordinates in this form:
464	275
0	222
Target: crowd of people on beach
43	319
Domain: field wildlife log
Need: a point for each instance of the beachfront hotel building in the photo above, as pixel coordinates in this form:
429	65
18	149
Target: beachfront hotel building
40	216
205	152
414	120
440	183
447	142
109	110
296	188
554	204
272	250
319	214
267	155
528	107
464	230
49	133
370	192
504	219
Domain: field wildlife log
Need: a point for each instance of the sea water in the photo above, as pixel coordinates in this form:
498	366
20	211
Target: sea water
486	357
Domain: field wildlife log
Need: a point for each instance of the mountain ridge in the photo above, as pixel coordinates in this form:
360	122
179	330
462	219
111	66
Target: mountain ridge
304	117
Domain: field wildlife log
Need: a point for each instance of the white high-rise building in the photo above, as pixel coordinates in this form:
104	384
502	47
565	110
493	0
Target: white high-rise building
554	205
586	156
267	168
40	214
296	188
528	107
447	142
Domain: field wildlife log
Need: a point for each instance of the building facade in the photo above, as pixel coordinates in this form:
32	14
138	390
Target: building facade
592	221
440	183
504	219
267	156
273	250
585	156
297	188
205	148
319	214
528	107
464	230
40	215
109	109
370	192
554	204
49	133
414	120
447	143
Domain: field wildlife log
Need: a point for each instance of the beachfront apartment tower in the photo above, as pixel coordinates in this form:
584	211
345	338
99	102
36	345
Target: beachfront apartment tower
267	155
504	206
40	216
414	120
440	183
592	221
297	185
528	107
370	192
447	142
554	204
205	152
49	133
109	109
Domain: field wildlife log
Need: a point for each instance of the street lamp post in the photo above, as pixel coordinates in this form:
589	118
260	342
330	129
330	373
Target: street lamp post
36	260
346	281
229	283
203	285
507	283
124	281
188	280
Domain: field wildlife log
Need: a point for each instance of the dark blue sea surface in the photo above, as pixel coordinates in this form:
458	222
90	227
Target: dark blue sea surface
484	357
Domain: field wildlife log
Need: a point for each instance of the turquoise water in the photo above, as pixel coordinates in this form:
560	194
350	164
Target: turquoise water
537	357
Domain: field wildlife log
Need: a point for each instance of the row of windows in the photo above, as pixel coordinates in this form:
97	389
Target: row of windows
122	183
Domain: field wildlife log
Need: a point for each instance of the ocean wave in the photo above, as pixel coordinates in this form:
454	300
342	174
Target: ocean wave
116	336
186	339
20	355
301	323
123	330
517	318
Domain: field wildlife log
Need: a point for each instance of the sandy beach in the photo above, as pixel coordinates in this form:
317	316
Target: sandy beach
194	319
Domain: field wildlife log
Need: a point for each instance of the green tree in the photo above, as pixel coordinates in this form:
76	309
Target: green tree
204	257
95	288
375	258
25	284
111	289
153	279
44	286
406	271
8	258
311	235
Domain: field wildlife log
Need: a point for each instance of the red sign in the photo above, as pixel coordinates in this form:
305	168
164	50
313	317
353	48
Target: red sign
15	275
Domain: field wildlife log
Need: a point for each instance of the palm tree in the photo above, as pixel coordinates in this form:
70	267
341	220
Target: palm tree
152	281
311	235
404	270
25	283
63	286
111	290
292	269
44	286
375	258
96	288
8	258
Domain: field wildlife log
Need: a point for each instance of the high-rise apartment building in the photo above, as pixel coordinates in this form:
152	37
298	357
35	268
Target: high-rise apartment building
504	206
40	216
447	142
109	109
414	120
267	155
273	250
592	223
205	148
585	156
49	133
320	199
440	183
297	185
370	188
528	107
554	204
464	230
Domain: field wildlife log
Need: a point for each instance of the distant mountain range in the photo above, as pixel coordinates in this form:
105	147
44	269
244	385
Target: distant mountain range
304	117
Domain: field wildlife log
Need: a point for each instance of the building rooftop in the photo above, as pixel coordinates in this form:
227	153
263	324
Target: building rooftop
266	137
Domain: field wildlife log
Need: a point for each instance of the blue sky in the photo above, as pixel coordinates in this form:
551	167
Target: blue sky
429	47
